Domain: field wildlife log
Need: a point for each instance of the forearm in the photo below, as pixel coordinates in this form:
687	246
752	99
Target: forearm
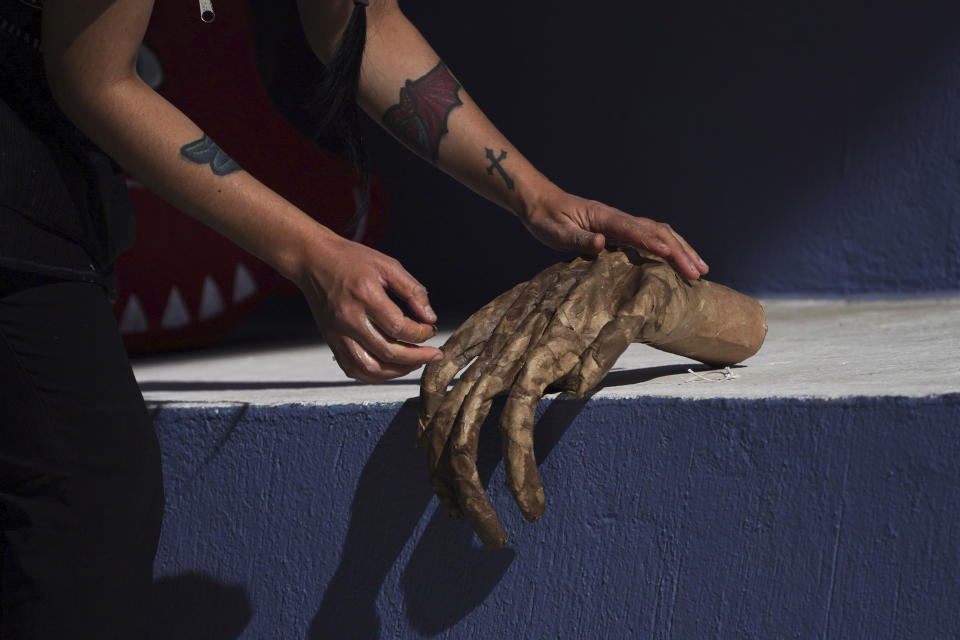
90	51
173	158
405	87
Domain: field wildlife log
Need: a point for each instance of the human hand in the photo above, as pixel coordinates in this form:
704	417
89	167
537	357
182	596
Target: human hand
562	331
570	223
346	285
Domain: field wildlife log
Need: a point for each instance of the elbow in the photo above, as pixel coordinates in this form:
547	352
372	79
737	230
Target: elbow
75	95
65	93
84	97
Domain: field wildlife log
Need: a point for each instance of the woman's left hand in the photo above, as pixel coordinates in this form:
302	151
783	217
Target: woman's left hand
570	223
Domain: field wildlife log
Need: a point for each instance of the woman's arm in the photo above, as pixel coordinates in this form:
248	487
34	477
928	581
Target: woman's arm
407	88
90	50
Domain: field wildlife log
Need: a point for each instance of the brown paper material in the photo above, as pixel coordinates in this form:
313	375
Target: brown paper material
564	329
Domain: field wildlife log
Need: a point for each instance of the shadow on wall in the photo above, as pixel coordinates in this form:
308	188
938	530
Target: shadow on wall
448	574
444	575
193	606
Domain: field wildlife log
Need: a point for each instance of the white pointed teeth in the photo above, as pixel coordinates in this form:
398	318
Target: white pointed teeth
211	300
133	320
243	284
176	314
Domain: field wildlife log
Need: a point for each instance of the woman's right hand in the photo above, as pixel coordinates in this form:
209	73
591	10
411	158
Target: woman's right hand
346	285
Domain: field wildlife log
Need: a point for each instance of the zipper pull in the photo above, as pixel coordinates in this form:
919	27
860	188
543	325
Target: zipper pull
206	11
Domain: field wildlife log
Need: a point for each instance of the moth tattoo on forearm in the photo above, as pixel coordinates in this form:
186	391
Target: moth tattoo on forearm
206	151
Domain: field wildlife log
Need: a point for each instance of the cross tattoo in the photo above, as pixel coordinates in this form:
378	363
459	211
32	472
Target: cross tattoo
495	164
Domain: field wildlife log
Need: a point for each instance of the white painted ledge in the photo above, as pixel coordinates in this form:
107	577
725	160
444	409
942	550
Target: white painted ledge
814	349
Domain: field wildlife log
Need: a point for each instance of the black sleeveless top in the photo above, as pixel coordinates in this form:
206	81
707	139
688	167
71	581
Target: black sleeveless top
64	208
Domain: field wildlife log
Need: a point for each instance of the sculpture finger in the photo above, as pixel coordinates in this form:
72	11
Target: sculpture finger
435	434
437	406
586	312
613	339
462	347
497	377
481	336
442	484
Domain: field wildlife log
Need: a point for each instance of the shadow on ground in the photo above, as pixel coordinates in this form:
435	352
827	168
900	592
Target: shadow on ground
193	606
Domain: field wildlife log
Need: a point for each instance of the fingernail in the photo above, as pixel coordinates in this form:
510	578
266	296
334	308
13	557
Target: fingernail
703	265
430	314
434	327
694	267
437	357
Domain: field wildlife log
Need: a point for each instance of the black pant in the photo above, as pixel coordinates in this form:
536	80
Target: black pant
80	490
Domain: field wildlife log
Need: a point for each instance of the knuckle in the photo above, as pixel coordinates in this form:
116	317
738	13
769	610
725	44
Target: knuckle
395	325
369	370
388	353
356	289
350	370
368	291
341	317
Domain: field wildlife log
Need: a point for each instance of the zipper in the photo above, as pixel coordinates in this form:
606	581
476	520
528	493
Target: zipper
206	11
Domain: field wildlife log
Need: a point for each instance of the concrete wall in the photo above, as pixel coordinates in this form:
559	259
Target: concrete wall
803	148
666	518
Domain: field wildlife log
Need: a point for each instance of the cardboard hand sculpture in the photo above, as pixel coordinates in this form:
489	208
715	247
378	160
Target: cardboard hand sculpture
562	331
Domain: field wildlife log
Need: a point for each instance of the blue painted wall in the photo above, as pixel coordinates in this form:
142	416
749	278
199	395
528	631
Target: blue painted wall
666	518
804	148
